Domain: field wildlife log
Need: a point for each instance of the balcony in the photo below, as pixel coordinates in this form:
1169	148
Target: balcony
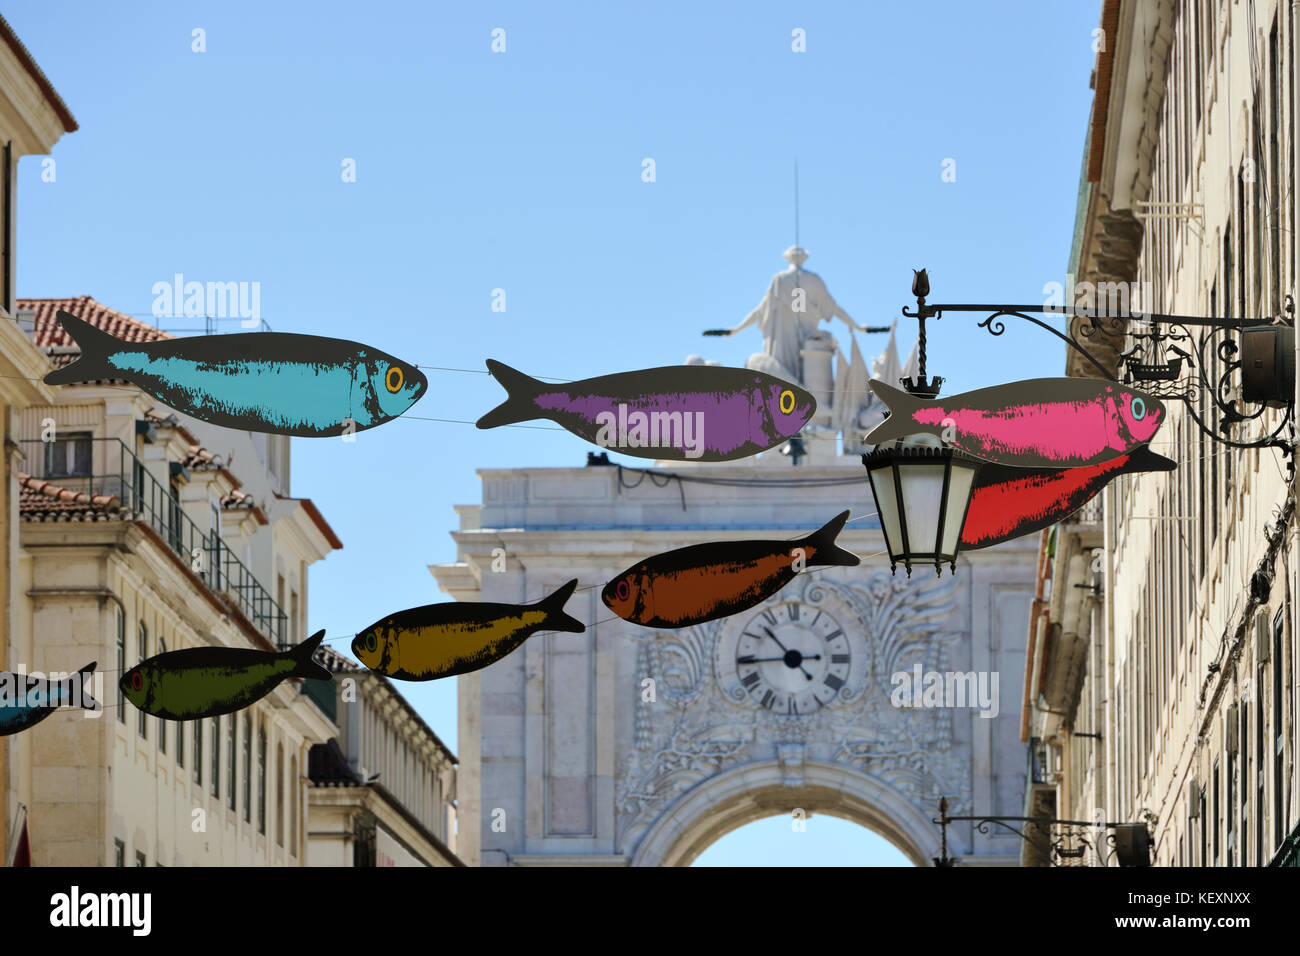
106	466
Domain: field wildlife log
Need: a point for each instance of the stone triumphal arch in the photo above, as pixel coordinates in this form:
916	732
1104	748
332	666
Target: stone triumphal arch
626	745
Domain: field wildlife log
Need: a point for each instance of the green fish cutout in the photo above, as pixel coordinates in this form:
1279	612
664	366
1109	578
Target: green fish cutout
210	681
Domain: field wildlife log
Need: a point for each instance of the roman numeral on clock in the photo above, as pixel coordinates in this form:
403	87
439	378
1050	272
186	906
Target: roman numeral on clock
833	682
793	611
839	658
769	615
767	699
749	680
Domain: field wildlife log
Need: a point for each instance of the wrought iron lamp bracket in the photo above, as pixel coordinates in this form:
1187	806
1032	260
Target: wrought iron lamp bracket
1166	360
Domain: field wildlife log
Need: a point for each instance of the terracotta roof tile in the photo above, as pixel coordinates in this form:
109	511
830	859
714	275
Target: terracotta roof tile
39	499
49	333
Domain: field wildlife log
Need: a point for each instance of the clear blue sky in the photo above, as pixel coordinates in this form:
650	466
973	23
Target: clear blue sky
522	171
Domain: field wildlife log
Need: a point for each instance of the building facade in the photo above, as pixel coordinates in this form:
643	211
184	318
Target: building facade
1162	682
135	540
383	793
33	118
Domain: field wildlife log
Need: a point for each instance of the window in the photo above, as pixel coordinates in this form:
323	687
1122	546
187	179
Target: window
180	745
139	859
162	721
1244	737
68	456
261	779
283	636
1214	821
1279	768
294	795
248	768
232	734
279	794
1230	801
143	722
1205	827
119	853
216	757
121	661
293	618
198	752
216	571
1260	764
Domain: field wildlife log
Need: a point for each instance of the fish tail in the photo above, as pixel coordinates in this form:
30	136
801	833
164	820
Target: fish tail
84	675
901	405
825	550
302	655
520	392
556	619
97	346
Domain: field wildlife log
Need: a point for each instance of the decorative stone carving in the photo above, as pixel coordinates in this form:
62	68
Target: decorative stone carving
695	730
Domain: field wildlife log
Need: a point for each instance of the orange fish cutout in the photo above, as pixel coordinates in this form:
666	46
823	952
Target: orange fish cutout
707	581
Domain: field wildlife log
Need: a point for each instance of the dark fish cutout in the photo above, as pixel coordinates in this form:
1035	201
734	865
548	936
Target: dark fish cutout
1040	423
276	382
456	637
211	681
706	581
1008	502
25	701
677	413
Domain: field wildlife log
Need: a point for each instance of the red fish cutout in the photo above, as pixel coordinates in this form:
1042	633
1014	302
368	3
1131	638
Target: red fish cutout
1040	423
1010	502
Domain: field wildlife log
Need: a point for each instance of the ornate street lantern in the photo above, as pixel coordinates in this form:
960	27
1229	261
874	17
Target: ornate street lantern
922	494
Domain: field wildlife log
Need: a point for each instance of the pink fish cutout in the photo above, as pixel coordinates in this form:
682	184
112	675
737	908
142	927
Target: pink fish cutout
1039	423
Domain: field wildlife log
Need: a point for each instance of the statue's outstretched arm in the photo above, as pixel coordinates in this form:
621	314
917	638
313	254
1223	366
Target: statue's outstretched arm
750	319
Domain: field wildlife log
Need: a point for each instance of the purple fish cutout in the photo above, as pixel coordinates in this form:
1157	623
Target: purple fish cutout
677	413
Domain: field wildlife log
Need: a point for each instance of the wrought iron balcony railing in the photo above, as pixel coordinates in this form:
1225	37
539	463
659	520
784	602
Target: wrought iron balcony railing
106	466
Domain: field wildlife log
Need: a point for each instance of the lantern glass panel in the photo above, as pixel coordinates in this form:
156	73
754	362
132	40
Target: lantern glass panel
959	492
882	486
922	483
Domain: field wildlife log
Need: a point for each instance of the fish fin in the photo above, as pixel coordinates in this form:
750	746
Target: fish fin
826	551
302	654
901	405
87	700
553	605
1142	458
96	347
520	392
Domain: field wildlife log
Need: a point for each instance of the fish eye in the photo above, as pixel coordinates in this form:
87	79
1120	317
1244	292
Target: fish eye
393	380
787	395
622	591
1138	408
371	643
137	681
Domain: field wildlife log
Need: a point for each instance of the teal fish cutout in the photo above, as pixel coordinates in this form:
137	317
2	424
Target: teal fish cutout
276	382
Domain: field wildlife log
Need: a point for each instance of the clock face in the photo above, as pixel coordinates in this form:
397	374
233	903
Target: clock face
792	659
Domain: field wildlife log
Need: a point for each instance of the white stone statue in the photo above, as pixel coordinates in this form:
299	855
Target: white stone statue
796	304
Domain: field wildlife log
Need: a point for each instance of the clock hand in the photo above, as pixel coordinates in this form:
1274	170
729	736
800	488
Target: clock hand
782	646
765	660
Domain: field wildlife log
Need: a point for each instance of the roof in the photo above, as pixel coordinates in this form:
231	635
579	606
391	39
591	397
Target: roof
337	663
58	345
41	500
42	81
317	519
